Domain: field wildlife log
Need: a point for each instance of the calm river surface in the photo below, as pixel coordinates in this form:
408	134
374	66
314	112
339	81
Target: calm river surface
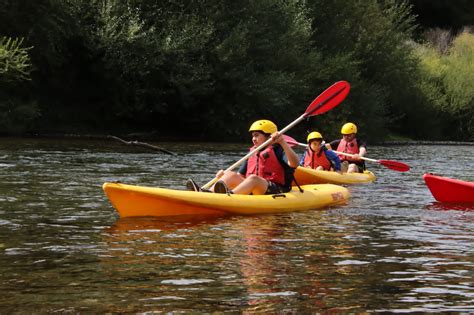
392	248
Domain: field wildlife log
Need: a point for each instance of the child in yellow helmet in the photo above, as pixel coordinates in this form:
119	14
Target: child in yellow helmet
317	156
269	171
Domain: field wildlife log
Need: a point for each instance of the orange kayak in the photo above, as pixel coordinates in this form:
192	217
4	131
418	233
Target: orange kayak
134	201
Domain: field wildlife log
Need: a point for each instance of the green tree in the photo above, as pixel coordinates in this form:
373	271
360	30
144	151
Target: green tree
205	69
373	38
16	111
14	60
447	80
59	58
211	67
459	75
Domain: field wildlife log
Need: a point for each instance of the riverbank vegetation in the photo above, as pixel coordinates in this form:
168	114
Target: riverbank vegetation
206	69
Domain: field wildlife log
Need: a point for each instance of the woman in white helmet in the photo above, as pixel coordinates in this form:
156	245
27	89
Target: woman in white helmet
350	144
269	171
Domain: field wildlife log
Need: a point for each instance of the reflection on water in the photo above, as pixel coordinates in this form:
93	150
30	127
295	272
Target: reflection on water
446	206
63	248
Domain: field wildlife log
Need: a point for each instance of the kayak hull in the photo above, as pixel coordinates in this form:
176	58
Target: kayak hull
445	189
139	201
306	175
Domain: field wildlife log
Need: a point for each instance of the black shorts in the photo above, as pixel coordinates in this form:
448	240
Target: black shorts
274	188
361	167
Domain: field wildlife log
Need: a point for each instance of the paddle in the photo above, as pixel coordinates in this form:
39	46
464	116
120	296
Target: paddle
326	101
393	165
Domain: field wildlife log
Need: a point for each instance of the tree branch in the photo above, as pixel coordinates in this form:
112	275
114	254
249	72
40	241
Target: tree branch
141	144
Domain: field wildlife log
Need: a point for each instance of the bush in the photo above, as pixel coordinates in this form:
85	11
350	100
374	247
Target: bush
16	112
14	60
448	84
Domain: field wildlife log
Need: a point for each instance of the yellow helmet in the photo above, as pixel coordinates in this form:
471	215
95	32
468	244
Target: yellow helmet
314	135
348	128
263	125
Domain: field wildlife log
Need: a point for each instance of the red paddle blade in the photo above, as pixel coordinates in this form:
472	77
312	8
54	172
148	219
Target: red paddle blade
291	141
394	165
329	99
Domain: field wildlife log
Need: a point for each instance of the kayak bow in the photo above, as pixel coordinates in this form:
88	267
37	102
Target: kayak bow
306	175
446	189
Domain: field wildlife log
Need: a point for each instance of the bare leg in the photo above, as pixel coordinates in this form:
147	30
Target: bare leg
231	179
353	168
252	184
344	166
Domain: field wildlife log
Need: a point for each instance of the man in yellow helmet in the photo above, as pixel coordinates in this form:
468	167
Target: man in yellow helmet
269	171
317	156
351	145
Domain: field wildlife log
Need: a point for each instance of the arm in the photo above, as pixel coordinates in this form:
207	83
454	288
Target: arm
293	160
243	169
362	150
302	158
334	158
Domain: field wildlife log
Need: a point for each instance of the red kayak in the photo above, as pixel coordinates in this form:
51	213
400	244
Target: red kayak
446	189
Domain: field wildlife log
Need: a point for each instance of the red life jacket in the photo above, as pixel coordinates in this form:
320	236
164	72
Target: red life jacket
266	164
313	159
350	147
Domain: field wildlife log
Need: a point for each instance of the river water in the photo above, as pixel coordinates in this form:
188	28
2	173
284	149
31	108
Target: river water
392	248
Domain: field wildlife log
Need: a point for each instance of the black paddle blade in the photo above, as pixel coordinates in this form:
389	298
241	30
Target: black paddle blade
329	99
394	165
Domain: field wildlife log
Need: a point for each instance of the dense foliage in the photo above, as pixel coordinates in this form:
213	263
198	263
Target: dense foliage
448	80
206	69
17	111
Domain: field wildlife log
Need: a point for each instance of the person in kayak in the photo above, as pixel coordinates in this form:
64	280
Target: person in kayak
317	156
350	144
269	171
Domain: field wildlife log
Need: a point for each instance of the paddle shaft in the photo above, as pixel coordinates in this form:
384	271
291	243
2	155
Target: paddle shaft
352	155
263	145
327	100
393	165
341	153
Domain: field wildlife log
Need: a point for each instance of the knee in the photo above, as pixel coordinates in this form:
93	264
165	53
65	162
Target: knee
252	178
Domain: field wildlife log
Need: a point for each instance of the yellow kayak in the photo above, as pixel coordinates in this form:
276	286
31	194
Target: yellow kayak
140	201
306	175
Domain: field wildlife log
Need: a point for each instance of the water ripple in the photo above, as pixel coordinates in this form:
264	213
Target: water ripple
390	249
